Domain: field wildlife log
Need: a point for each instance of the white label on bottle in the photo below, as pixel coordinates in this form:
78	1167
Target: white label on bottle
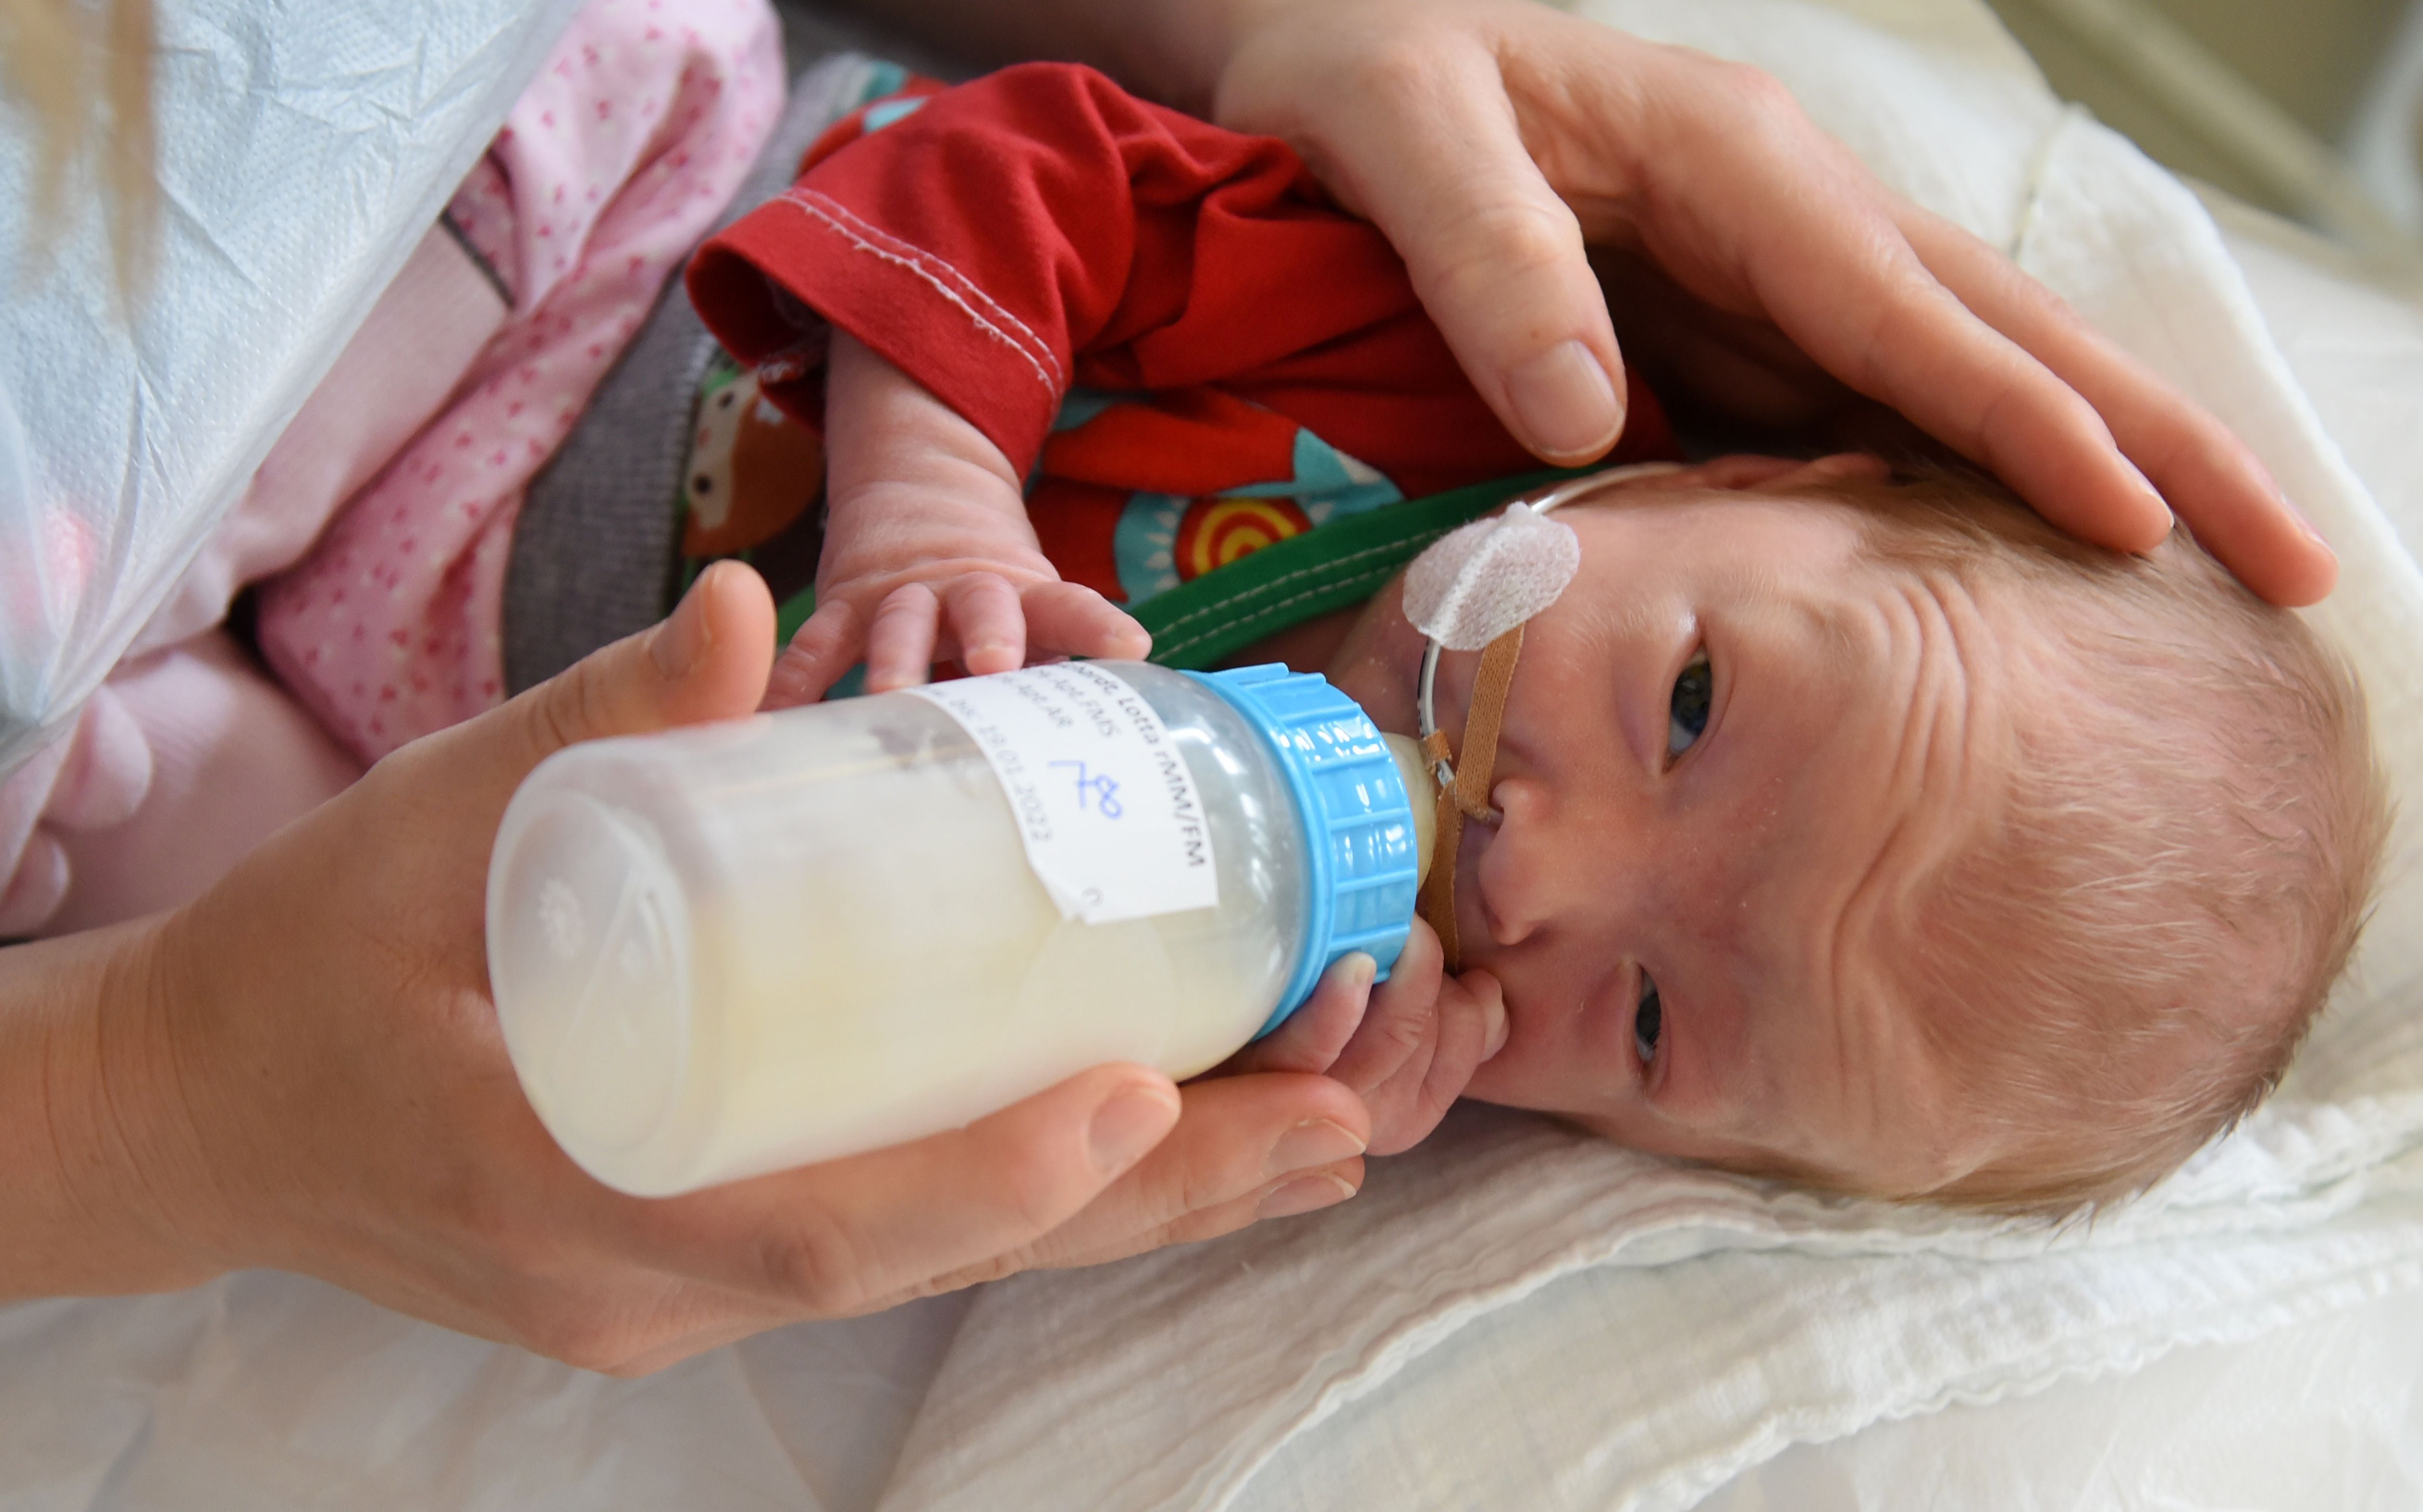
1112	824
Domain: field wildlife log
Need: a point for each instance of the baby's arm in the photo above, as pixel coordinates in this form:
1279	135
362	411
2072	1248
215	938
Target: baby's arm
927	554
990	246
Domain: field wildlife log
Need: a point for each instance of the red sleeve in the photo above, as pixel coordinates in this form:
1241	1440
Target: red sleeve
1038	217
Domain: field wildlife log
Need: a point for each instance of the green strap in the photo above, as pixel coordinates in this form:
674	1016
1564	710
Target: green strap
1197	623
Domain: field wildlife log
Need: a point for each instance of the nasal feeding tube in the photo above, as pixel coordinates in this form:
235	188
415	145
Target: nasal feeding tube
1474	589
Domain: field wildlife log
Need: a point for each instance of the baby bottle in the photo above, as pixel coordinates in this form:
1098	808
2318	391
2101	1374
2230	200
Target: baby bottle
730	949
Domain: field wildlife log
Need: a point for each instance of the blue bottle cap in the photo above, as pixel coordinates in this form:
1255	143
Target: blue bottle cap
1358	825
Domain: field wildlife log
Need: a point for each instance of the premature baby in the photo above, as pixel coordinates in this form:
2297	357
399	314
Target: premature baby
1857	828
1875	834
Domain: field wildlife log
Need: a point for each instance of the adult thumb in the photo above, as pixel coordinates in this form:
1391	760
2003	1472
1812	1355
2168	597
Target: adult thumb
1498	263
707	660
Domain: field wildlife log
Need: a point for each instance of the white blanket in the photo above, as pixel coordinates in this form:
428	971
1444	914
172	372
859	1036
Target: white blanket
1171	1381
303	152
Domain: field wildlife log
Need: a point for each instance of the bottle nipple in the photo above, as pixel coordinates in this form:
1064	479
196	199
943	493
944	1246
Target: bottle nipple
1422	789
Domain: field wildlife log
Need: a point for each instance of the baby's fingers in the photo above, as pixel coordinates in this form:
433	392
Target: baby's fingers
1072	617
1421	1038
818	655
1470	1027
988	622
901	641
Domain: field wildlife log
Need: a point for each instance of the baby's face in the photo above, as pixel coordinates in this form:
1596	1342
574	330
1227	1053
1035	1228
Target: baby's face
1751	870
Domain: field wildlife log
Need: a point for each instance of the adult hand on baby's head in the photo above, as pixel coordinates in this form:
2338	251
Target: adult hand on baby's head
313	1078
928	553
1492	139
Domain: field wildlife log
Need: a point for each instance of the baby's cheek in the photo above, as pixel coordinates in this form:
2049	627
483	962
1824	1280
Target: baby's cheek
1554	1061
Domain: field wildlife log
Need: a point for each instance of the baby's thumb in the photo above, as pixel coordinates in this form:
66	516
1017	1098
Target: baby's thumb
707	660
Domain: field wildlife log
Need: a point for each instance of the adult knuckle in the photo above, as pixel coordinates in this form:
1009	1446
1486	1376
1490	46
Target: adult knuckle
818	1263
1503	242
1032	1196
484	1219
523	1256
1194	1186
1759	98
570	710
1398	66
827	628
1524	234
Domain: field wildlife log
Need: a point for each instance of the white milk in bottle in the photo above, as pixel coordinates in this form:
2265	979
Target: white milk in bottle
726	950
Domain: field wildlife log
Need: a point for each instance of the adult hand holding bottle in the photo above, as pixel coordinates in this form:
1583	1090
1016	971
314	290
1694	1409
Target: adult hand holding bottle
302	1070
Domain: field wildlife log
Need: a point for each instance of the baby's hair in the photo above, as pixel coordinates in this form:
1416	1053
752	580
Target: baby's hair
2123	960
83	74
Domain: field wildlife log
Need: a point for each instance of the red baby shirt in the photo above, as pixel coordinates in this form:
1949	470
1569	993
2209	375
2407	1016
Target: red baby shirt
1166	325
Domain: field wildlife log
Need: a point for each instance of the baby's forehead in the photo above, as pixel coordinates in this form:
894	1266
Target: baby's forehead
1899	741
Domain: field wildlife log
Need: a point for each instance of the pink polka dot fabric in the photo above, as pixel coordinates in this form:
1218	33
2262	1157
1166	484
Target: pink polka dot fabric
610	168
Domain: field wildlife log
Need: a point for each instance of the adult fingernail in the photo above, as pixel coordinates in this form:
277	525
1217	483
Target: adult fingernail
1315	1142
1128	1124
2145	487
1496	1009
1305	1194
1564	402
685	638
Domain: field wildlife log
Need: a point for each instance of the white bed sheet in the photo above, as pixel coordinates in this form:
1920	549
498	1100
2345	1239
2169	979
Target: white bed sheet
2325	1417
263	1391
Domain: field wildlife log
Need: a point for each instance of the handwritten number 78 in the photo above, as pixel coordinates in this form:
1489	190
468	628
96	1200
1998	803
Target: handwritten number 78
1100	792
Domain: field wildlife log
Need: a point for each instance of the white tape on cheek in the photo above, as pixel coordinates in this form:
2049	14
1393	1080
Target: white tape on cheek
1474	584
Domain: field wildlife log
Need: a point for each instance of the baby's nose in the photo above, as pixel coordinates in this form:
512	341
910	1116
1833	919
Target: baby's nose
1543	862
1564	857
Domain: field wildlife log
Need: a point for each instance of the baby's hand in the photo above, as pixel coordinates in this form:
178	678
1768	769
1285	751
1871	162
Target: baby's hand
1407	1046
928	555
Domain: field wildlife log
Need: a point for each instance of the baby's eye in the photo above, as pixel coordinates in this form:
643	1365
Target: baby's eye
1647	1020
1687	707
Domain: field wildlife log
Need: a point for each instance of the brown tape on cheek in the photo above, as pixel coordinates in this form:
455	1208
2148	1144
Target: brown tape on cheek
1468	798
1437	902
